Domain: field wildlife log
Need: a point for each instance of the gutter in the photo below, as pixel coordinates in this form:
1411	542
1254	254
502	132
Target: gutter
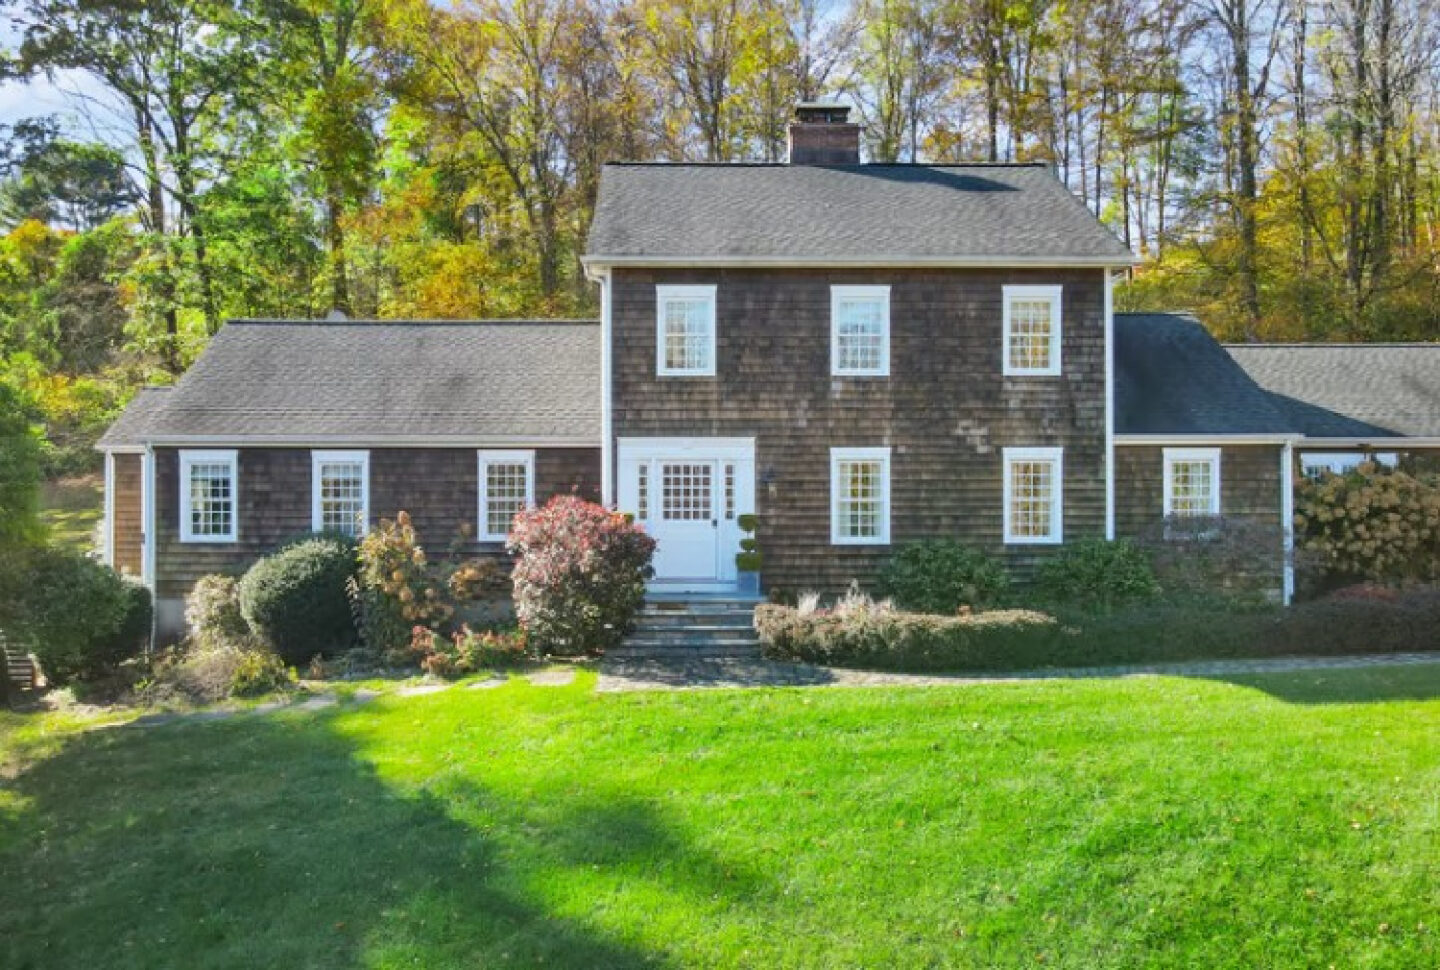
366	441
1183	440
601	262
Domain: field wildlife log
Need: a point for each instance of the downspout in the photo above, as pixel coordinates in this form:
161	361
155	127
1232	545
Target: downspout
607	443
1109	406
108	525
147	535
1287	517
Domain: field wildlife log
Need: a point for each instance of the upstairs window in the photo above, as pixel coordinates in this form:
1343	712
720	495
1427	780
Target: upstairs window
859	496
1192	482
209	509
1032	331
685	331
1034	496
340	492
860	331
507	486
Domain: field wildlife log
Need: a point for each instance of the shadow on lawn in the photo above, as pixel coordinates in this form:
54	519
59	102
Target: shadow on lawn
271	843
1344	685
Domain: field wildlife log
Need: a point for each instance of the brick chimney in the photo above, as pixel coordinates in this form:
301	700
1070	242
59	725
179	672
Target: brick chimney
822	134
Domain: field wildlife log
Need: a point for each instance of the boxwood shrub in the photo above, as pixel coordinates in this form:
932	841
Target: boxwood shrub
1098	575
941	576
80	617
295	600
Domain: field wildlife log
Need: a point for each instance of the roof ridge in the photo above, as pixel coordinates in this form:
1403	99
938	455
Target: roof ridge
413	322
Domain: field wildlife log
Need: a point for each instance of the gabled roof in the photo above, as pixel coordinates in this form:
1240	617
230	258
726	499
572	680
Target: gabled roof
133	425
1350	390
844	215
1173	377
381	382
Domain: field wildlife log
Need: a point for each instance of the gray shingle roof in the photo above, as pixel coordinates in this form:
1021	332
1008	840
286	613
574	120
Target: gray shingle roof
1173	377
1350	390
864	214
384	381
133	425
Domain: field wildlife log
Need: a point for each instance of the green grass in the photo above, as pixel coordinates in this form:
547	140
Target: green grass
1275	821
71	509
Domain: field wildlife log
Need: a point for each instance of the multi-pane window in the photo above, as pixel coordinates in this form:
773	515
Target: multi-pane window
208	496
859	496
642	491
1032	330
860	331
507	486
729	490
685	331
1034	495
685	492
340	491
1192	482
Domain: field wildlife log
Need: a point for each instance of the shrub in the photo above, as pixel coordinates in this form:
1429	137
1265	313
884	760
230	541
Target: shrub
212	611
579	574
208	673
941	576
1149	632
467	651
1205	555
81	618
1373	523
295	600
399	586
887	639
1098	575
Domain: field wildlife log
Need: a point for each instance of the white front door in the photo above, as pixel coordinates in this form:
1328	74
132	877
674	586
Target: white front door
688	494
686	523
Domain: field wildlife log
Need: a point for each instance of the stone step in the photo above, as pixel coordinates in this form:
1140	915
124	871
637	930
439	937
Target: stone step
736	613
697	639
701	625
628	652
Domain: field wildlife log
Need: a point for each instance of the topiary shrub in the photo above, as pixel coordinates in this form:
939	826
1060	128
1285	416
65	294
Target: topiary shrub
81	618
941	576
1098	575
579	574
295	600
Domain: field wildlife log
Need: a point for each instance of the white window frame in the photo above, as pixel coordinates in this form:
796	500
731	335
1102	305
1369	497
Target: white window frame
1057	500
318	459
840	294
484	461
188	460
1032	292
666	293
1173	455
837	455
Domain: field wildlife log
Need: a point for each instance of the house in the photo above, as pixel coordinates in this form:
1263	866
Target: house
862	355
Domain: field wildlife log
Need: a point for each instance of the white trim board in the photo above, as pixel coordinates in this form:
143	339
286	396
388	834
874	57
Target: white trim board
484	458
681	292
843	293
1057	495
882	455
721	448
600	262
1200	440
1168	459
1054	294
190	458
368	441
319	458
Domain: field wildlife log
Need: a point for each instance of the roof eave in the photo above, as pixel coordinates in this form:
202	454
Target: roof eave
369	441
1190	438
601	261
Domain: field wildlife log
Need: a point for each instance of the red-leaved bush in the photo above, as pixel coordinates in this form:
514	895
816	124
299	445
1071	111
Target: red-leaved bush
580	572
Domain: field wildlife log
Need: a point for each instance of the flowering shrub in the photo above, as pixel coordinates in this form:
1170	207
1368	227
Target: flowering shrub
1372	523
467	651
579	574
398	586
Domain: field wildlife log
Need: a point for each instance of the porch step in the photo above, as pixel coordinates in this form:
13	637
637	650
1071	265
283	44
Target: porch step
702	626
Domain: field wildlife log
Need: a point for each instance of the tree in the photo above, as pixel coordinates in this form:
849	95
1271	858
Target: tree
51	179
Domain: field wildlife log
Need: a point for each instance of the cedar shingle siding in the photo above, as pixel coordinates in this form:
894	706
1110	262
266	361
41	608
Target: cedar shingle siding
945	409
437	486
1249	492
126	535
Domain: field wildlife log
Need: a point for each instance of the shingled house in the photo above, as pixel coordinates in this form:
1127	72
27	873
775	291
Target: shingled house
863	355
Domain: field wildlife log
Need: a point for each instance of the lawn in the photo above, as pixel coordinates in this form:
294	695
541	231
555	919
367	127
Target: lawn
1272	821
71	509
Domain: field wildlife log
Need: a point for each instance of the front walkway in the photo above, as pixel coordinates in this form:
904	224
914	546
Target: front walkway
685	674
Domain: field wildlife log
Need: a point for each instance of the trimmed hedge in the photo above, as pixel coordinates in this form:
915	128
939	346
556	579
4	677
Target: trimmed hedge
81	618
942	576
296	600
1023	639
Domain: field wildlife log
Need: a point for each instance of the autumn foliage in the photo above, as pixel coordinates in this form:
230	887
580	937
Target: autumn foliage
1373	523
579	574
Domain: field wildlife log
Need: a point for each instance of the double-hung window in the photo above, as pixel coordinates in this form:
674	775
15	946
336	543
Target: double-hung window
685	331
860	331
340	492
507	486
859	496
209	496
1032	331
1034	496
1192	482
